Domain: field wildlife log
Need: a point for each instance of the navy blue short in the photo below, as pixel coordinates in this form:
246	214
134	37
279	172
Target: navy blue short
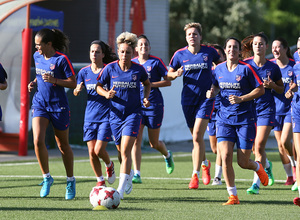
97	131
59	120
242	135
203	110
128	127
152	118
266	120
280	120
211	128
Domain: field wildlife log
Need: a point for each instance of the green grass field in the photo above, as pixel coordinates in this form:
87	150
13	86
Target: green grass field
160	196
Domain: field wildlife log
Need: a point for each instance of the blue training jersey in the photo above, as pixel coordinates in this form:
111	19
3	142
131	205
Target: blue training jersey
197	75
296	99
97	107
156	70
265	104
127	100
242	80
283	105
50	96
296	57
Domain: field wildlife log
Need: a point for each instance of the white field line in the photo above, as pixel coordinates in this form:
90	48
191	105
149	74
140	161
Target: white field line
86	160
92	177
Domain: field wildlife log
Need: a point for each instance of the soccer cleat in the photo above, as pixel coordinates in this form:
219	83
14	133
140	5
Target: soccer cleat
70	190
270	174
169	163
217	181
194	183
101	183
254	189
289	181
47	182
128	187
295	187
136	179
206	173
232	200
294	174
263	176
296	201
110	171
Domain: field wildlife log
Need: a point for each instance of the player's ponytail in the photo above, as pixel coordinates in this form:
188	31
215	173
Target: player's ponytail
109	55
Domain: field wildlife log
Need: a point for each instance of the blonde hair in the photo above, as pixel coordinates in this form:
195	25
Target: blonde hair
128	38
193	25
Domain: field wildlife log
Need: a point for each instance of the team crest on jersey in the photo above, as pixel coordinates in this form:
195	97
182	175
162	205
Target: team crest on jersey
268	73
52	66
205	58
134	77
149	68
238	78
290	73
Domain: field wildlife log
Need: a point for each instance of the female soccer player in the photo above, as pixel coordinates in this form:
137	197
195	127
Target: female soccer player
297	52
123	79
283	120
194	63
296	133
3	83
96	127
211	127
54	71
239	85
152	116
265	104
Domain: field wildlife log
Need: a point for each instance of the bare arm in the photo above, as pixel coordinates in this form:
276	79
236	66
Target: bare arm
214	90
31	85
78	89
173	74
163	83
147	89
107	94
68	83
276	86
255	93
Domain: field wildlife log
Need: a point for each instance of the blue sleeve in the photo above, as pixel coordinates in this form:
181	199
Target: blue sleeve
162	69
175	63
67	67
277	74
215	55
144	75
104	77
254	78
80	76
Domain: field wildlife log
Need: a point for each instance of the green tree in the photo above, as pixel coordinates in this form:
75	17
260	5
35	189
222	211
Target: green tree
219	19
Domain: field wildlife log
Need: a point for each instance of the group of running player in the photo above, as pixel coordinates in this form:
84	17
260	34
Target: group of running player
237	102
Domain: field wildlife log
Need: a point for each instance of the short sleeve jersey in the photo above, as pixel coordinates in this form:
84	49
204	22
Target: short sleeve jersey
127	99
296	98
296	57
97	107
50	96
197	75
156	70
283	105
242	80
265	104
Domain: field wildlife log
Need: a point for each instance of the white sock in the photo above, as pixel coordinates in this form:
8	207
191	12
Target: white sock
108	165
257	166
72	178
205	162
288	169
293	162
232	190
100	178
137	172
218	171
267	163
167	155
195	171
46	175
122	182
256	179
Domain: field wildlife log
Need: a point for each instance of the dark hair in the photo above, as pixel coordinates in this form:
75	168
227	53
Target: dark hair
247	44
233	38
220	48
285	45
60	41
109	55
142	36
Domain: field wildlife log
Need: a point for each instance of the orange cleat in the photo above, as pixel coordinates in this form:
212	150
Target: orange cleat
232	200
194	183
206	173
263	176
